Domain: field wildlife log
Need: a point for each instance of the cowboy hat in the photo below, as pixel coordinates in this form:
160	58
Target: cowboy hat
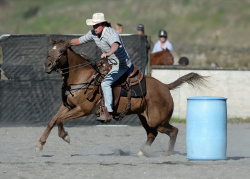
96	19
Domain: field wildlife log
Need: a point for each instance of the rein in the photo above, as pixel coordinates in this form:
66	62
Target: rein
79	66
112	61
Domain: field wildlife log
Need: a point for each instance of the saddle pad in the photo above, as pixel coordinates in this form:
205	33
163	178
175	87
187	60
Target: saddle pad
136	90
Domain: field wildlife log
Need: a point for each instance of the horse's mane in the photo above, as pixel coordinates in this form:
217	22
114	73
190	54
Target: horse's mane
81	55
61	41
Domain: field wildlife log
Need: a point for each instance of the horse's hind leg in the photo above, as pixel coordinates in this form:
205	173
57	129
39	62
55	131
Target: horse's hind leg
151	132
51	124
172	132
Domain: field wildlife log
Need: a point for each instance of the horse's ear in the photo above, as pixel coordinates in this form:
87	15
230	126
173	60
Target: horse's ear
53	42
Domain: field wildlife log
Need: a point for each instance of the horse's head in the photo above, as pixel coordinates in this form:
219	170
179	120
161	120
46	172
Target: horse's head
57	56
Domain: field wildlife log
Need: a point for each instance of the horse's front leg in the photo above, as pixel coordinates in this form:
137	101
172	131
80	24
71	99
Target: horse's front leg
51	124
72	114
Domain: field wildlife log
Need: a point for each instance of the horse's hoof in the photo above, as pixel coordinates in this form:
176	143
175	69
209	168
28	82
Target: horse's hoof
39	147
167	153
67	139
140	154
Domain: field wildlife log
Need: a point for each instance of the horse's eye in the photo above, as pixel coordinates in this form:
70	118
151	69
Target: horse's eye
61	51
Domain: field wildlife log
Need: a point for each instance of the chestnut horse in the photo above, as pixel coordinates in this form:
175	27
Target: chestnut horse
163	57
154	110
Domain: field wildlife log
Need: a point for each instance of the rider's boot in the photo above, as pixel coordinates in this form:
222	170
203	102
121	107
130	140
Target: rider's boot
105	116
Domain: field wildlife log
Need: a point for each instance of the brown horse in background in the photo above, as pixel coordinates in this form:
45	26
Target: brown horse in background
154	110
163	57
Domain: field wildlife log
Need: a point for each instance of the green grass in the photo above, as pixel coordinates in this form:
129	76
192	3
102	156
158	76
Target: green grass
238	120
177	120
187	21
223	23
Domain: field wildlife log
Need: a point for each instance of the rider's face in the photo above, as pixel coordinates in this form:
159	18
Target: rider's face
140	32
163	39
98	28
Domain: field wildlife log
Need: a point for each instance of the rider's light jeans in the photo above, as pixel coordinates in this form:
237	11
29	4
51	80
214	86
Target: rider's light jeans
109	79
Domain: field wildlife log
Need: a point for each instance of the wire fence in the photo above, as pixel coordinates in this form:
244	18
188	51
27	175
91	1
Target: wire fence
32	97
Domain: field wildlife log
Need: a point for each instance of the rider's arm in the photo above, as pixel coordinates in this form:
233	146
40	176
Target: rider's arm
74	42
83	39
112	50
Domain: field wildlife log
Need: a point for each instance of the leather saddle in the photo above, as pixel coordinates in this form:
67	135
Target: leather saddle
132	77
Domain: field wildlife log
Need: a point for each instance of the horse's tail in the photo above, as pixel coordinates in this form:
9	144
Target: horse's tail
191	78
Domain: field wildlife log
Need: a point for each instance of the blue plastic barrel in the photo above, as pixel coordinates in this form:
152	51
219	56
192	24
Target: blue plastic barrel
206	122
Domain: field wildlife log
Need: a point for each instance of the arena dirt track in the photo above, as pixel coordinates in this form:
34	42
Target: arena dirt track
111	152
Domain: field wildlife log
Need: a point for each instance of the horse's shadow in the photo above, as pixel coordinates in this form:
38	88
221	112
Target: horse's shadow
236	158
120	152
179	153
47	155
117	152
102	155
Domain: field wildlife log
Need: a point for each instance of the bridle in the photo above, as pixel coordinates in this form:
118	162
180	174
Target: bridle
56	61
62	52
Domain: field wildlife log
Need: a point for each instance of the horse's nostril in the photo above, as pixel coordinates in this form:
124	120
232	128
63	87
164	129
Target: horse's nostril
49	64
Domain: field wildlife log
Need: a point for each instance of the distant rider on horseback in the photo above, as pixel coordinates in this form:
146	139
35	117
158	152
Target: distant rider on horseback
111	45
162	43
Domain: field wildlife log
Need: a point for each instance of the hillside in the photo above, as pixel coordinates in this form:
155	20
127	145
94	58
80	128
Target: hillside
223	23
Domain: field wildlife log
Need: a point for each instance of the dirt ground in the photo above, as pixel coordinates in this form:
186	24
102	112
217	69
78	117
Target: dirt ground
111	152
